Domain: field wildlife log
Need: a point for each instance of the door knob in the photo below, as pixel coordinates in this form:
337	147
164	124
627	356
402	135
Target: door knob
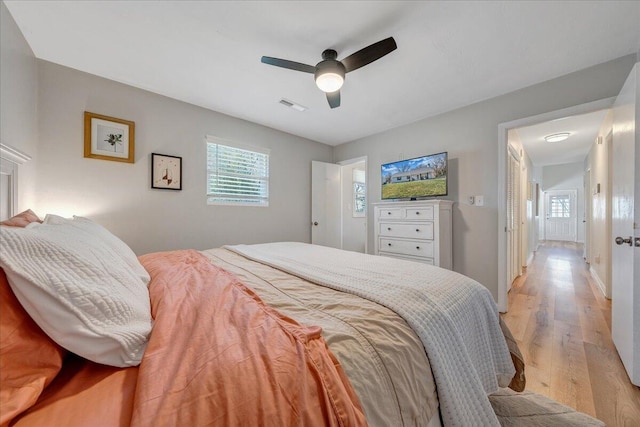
637	240
621	241
315	223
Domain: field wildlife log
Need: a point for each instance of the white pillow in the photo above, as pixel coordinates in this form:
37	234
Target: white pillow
94	230
79	290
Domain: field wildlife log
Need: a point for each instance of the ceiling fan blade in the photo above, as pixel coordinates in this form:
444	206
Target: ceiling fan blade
334	99
289	64
369	54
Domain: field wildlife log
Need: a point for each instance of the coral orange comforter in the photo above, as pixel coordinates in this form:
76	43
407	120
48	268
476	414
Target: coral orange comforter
217	356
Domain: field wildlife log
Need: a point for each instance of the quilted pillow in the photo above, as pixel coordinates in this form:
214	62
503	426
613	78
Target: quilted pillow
22	219
79	290
29	359
92	230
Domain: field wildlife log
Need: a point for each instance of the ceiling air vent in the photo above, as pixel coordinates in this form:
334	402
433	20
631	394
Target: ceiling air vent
293	105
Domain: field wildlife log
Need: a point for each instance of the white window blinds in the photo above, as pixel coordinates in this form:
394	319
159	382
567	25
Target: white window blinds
237	175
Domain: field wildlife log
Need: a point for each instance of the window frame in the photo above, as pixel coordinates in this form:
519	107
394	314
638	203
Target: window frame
359	194
560	206
239	146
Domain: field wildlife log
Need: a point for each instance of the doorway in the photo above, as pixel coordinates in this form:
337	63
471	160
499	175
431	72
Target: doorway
504	256
339	204
354	206
561	215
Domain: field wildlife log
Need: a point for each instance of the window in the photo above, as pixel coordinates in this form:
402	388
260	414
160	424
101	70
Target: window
236	175
359	199
559	207
359	193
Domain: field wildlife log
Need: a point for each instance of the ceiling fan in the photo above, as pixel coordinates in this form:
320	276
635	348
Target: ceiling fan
329	73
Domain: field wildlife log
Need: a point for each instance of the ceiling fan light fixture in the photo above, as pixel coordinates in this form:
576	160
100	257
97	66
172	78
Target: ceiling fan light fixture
557	137
329	82
329	73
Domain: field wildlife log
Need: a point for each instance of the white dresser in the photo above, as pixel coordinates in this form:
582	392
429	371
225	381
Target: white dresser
418	231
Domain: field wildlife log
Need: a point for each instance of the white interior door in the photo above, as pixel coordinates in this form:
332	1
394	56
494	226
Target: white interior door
524	226
625	258
561	215
586	217
326	219
513	218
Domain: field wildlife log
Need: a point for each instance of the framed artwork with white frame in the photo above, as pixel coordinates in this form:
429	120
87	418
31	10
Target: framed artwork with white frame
109	138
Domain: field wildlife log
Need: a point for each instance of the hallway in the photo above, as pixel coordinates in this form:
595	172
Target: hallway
562	323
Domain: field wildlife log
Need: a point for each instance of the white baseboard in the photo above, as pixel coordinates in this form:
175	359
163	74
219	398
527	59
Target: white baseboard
601	285
530	259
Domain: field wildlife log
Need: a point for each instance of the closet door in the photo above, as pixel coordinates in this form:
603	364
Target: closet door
513	218
326	191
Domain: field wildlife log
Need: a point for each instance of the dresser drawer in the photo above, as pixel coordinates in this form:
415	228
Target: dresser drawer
419	213
429	261
407	247
422	230
390	213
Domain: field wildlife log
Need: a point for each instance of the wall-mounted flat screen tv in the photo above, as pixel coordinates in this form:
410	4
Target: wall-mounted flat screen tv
424	176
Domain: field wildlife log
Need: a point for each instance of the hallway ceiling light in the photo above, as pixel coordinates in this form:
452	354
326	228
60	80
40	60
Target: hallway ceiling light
557	137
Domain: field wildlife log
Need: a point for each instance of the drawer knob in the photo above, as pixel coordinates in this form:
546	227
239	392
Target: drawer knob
389	228
418	247
388	244
417	230
388	213
417	213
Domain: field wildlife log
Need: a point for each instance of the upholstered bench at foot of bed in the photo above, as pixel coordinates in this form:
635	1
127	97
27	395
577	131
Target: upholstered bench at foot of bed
528	409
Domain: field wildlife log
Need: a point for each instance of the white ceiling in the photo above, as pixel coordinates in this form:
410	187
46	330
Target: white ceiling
583	130
450	54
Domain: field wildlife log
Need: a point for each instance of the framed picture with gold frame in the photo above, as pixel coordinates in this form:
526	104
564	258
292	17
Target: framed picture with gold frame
109	138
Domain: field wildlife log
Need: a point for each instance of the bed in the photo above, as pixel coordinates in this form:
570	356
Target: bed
271	334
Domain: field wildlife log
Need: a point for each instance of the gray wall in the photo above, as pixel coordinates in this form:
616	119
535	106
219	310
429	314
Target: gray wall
470	135
118	195
18	103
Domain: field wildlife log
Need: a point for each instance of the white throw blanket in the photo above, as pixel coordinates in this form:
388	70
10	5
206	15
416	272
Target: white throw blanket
455	317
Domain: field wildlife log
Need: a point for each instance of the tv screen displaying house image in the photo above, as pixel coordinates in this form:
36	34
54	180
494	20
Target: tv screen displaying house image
424	176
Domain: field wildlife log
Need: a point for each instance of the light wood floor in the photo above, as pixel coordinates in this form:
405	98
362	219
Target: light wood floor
562	323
